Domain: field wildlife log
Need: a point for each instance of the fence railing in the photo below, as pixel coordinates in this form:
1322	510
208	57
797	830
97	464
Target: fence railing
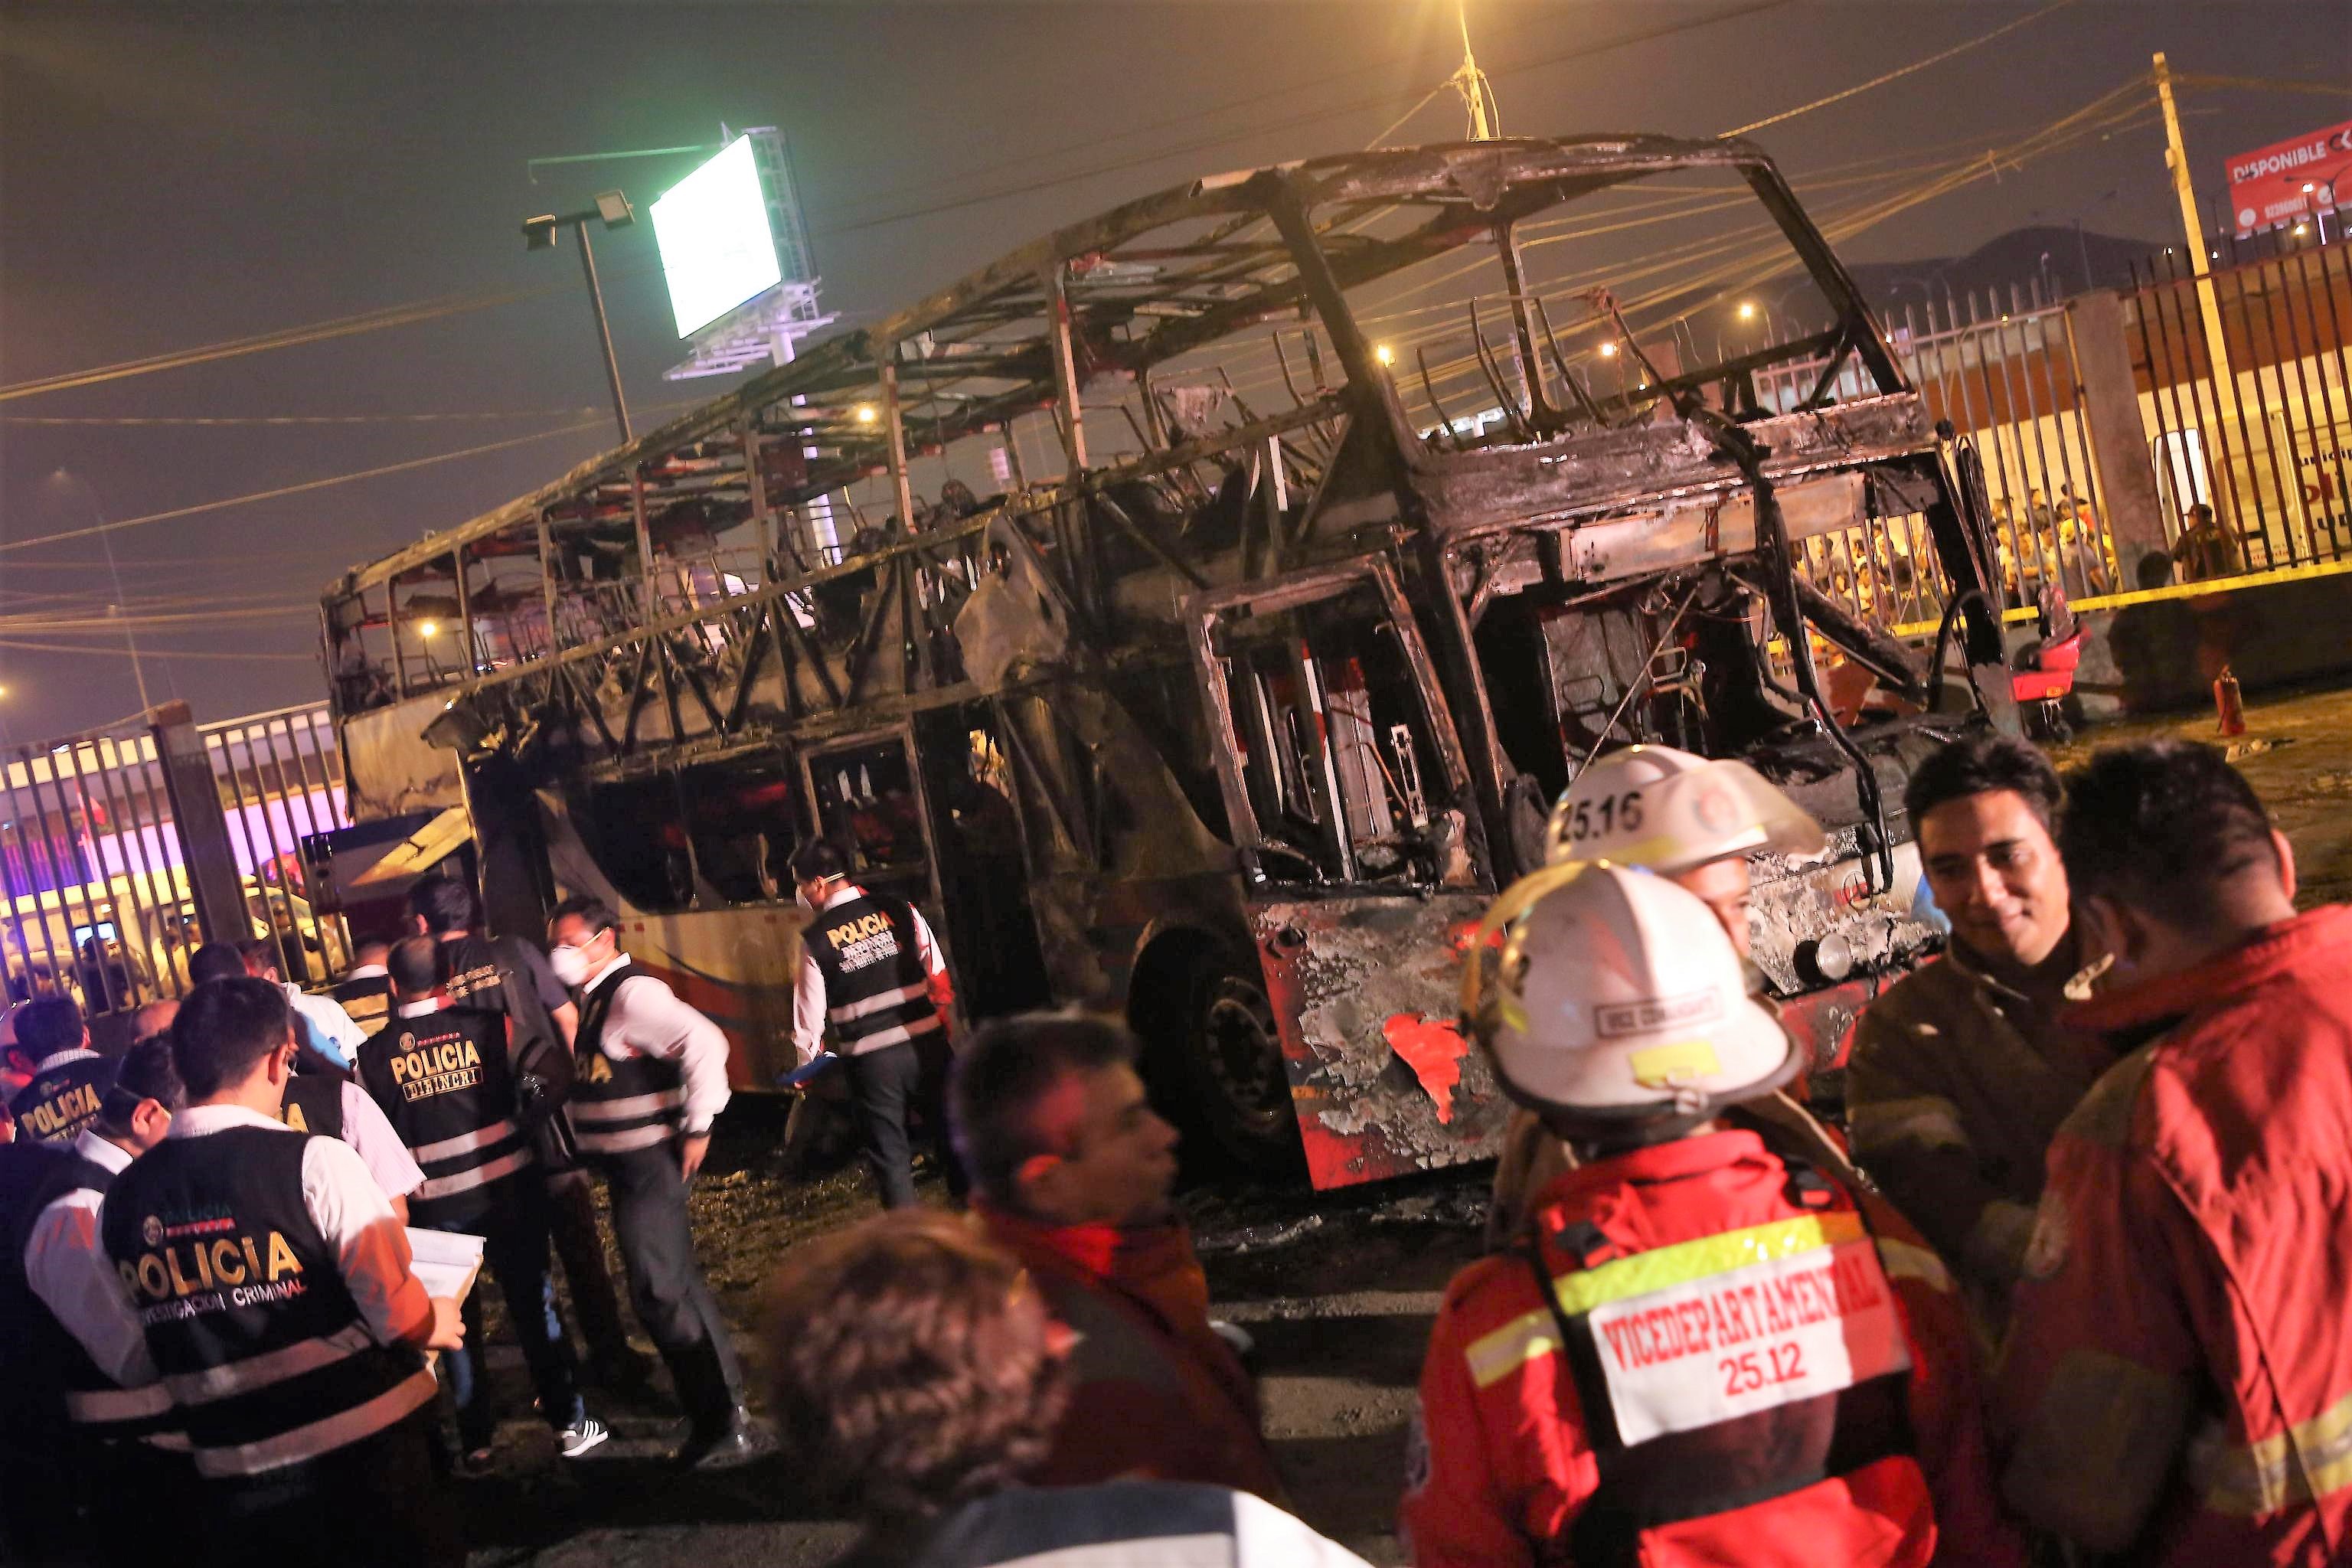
98	894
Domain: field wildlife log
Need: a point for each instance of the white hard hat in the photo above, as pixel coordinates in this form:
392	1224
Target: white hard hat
1668	810
1619	996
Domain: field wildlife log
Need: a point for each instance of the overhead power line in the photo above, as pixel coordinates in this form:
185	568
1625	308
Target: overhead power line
1896	75
304	488
482	416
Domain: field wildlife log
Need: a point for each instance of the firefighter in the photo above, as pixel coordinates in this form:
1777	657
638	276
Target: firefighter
445	1079
871	971
276	1296
81	1393
2177	1375
1689	820
69	1078
651	1078
1699	1351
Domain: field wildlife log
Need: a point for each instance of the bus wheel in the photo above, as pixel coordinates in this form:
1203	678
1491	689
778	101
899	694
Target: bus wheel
1233	1060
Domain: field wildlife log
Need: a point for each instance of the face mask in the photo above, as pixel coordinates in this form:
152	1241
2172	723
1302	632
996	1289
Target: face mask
570	965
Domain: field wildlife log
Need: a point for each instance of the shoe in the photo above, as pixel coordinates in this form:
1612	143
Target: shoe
738	1443
582	1436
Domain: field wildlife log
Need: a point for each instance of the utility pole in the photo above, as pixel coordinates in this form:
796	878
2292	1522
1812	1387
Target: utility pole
1477	92
2209	302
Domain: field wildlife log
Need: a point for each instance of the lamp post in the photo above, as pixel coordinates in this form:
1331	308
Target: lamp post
613	210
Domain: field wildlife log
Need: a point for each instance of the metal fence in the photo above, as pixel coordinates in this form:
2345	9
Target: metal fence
97	876
2003	371
2263	442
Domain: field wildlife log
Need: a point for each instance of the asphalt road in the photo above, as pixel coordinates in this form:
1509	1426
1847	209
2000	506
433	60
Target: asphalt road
1339	1292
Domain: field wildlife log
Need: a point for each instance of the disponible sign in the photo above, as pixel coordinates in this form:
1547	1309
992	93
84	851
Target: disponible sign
2291	180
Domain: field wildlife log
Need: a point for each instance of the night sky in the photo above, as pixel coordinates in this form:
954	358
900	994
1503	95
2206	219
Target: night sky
177	176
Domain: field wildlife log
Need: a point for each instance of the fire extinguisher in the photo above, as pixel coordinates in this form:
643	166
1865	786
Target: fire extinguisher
2227	703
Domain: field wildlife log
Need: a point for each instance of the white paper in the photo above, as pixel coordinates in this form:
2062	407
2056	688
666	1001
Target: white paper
446	1262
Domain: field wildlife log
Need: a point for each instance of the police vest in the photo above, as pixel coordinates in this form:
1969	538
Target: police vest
57	1104
875	992
1718	1373
266	1356
446	1087
620	1105
314	1103
55	1381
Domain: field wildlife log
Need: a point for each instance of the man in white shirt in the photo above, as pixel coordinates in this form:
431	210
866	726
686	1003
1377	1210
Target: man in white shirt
255	1258
651	1078
81	1396
320	1022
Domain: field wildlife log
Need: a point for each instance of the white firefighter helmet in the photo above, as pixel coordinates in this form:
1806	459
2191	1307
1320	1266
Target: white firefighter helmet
1620	998
1668	810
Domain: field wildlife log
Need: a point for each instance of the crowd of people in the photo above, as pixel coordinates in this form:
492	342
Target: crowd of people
2072	1291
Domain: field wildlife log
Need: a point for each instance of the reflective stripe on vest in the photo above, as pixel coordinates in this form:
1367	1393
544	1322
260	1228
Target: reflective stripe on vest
245	1310
877	993
1718	1373
447	1084
620	1105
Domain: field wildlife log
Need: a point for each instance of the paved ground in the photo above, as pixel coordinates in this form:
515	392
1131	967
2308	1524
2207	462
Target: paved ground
1337	1291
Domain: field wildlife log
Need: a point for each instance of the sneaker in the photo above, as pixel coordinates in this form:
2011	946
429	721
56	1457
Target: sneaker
582	1436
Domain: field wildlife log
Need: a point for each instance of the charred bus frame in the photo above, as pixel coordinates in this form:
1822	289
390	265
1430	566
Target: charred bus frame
1275	702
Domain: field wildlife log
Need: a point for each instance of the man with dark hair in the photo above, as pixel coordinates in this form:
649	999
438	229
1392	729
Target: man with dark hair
69	1078
321	1021
918	1375
80	1406
2180	1375
1961	1072
650	1079
216	960
274	1289
1071	1174
444	1075
364	993
871	973
509	974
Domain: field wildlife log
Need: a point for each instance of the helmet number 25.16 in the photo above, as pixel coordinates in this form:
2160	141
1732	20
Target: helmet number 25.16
1610	814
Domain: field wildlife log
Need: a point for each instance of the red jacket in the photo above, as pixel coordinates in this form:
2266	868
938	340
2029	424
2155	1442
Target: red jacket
2179	1373
1732	1319
1155	1394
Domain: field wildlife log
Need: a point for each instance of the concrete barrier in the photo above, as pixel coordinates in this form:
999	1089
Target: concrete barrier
2153	651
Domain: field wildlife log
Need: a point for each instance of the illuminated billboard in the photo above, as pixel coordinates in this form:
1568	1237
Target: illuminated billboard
716	248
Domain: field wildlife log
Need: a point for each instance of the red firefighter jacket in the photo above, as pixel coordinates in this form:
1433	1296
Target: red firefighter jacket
2179	1373
1752	1375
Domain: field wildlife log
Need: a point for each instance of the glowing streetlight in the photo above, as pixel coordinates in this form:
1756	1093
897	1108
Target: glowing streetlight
1608	351
1748	310
866	414
1384	354
428	629
2301	229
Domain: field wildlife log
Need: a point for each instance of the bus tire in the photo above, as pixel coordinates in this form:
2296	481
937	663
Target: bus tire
1233	1095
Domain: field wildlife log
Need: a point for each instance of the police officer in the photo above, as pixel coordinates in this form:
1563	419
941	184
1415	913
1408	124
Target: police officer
275	1293
443	1078
69	1078
1696	1351
80	1390
365	992
509	974
651	1078
871	971
323	1098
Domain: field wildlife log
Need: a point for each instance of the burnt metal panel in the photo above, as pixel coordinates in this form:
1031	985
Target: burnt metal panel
1364	990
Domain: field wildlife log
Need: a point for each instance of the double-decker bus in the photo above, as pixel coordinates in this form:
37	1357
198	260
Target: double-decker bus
1195	610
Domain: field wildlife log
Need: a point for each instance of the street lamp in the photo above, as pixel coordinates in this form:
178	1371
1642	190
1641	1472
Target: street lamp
1384	354
613	210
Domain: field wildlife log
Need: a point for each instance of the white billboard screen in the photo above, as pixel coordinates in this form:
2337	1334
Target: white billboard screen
717	250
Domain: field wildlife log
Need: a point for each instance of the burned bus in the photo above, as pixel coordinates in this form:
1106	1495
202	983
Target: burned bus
1196	610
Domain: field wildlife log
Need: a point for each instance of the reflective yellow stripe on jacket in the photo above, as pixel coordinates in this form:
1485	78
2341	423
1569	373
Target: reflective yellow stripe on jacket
1495	1356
